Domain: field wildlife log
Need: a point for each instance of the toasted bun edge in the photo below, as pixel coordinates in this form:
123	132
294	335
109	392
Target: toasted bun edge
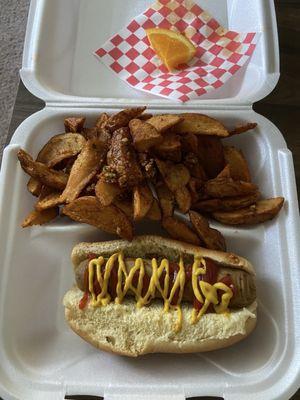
158	245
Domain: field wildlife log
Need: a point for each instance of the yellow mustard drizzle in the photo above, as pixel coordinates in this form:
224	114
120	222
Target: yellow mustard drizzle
204	292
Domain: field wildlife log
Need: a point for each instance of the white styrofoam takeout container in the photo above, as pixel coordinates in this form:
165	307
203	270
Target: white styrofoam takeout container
40	358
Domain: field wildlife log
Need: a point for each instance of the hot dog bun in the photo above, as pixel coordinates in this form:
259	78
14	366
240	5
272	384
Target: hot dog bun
123	329
147	245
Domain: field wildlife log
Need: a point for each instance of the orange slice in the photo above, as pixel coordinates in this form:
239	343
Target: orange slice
171	47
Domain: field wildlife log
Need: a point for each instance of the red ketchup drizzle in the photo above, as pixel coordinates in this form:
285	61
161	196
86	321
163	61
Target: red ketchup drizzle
146	282
227	280
84	300
113	282
210	276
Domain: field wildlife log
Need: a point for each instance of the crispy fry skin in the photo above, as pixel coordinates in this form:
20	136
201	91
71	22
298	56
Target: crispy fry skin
225	173
200	124
58	148
108	218
102	121
195	187
106	192
39	171
148	166
122	118
243	128
238	166
40	217
164	122
142	201
49	201
144	135
189	143
179	230
174	175
212	238
183	199
84	169
34	187
227	203
122	158
155	212
126	206
166	199
226	187
74	124
61	147
263	210
169	148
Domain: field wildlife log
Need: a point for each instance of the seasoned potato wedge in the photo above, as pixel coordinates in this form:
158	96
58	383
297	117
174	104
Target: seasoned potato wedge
211	155
166	199
195	187
40	217
169	148
226	187
189	143
74	124
109	218
34	186
49	201
200	124
122	159
126	206
238	166
106	192
142	201
84	169
164	122
40	171
60	147
122	118
145	116
212	238
144	135
225	173
101	121
179	230
243	128
227	203
174	175
155	212
183	199
262	211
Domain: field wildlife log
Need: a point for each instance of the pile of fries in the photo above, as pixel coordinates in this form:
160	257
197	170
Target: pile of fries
132	165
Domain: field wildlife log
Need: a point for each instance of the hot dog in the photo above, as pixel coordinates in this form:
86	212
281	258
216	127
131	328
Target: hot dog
159	295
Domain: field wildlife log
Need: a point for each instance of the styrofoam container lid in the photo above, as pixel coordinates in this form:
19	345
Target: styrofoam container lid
59	66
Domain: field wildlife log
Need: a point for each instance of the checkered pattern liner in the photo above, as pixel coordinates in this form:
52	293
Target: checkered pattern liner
220	53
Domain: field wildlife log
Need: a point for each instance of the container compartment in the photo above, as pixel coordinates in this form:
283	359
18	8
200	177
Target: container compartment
40	352
61	63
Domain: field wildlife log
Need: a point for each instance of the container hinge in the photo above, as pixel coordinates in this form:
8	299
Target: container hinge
114	104
163	394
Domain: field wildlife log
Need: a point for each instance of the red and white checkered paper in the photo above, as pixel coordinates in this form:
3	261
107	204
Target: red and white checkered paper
220	53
